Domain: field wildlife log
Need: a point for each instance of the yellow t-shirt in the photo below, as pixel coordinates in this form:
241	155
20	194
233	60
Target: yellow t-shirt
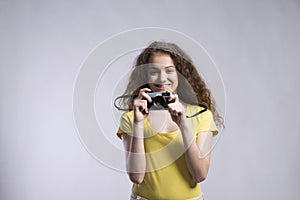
167	175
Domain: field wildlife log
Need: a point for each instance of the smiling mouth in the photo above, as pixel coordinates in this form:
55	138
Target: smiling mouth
162	86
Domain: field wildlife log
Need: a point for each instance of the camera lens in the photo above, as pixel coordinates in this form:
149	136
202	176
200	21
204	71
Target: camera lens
159	100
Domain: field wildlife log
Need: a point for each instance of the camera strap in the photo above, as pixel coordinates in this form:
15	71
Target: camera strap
134	96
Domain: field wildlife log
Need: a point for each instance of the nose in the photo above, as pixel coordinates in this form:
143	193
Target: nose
162	76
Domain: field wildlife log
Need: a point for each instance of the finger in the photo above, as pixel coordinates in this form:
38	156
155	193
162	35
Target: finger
172	109
143	94
145	107
145	90
173	98
174	113
175	109
141	105
172	106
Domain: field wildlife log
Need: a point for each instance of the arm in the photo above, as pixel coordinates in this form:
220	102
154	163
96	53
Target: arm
197	152
135	154
134	145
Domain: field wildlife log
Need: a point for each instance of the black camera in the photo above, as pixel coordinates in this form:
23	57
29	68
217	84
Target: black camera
160	100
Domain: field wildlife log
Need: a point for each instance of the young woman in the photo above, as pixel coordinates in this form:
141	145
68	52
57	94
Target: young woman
167	150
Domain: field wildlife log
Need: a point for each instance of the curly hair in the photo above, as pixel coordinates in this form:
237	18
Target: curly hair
191	87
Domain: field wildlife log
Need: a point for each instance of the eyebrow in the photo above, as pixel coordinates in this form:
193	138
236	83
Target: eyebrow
166	67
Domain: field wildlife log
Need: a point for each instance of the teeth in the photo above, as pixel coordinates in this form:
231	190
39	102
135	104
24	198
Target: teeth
162	85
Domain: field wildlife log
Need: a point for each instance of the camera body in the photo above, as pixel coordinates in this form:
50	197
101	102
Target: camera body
160	100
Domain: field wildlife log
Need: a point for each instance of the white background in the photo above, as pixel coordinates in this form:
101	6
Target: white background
254	43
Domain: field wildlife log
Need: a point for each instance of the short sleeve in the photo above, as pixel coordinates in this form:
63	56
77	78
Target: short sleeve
125	124
207	123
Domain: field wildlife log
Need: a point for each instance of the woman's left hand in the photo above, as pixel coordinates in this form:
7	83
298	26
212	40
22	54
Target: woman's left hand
176	109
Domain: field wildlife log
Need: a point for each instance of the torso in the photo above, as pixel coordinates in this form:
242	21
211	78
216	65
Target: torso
161	121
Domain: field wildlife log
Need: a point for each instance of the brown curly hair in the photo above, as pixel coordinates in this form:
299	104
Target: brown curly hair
191	87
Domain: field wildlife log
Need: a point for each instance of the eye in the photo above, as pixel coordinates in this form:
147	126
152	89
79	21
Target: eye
170	70
153	72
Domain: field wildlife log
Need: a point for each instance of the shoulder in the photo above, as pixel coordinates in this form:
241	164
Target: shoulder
204	121
127	116
125	123
192	109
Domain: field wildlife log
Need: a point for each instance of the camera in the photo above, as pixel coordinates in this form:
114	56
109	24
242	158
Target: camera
160	100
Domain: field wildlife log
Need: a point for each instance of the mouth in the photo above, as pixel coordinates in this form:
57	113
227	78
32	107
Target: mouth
162	86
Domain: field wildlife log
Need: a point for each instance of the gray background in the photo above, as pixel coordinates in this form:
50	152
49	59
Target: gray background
43	43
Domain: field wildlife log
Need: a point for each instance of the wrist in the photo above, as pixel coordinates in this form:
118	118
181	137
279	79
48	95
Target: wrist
138	123
183	123
138	129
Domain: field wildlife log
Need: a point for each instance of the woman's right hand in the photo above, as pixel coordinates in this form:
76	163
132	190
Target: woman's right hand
140	108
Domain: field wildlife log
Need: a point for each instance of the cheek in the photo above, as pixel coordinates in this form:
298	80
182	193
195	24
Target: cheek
176	82
175	78
151	79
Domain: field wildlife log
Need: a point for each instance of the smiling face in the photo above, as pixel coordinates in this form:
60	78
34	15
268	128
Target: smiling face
162	75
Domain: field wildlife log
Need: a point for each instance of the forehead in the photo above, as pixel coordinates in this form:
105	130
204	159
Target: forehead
161	59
